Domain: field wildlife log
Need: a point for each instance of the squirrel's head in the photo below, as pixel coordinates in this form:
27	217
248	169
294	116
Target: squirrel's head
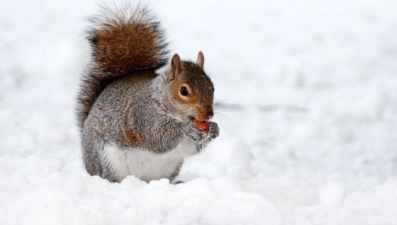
191	89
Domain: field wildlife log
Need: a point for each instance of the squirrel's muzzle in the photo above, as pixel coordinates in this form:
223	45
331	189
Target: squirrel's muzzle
205	113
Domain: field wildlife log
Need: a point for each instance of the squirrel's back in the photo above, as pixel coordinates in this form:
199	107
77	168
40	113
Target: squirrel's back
123	42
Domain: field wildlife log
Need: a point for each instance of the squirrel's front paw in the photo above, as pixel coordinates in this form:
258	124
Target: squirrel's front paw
213	132
194	133
201	136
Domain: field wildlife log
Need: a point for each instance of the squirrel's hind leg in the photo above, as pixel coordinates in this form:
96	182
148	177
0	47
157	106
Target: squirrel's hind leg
176	173
94	161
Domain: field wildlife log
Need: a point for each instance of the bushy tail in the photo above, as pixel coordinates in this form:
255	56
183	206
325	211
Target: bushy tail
123	41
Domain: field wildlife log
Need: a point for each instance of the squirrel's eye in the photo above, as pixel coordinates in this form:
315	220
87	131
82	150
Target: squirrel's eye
184	91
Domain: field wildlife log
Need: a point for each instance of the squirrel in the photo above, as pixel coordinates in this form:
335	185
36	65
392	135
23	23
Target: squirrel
133	119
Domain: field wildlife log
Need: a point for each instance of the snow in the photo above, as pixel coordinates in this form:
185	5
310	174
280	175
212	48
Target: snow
307	116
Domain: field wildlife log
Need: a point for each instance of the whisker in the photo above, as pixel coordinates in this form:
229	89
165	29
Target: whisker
227	119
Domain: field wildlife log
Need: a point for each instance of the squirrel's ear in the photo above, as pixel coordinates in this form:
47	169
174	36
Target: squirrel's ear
176	67
200	59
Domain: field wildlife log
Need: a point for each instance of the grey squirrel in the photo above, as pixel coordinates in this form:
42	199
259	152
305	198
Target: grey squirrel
134	121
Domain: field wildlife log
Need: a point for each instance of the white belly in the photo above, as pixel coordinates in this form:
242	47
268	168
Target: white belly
144	164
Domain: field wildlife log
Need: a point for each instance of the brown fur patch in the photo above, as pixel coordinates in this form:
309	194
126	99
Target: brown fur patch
127	40
130	136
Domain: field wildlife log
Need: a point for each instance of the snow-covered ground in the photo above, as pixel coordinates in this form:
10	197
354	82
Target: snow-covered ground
307	94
